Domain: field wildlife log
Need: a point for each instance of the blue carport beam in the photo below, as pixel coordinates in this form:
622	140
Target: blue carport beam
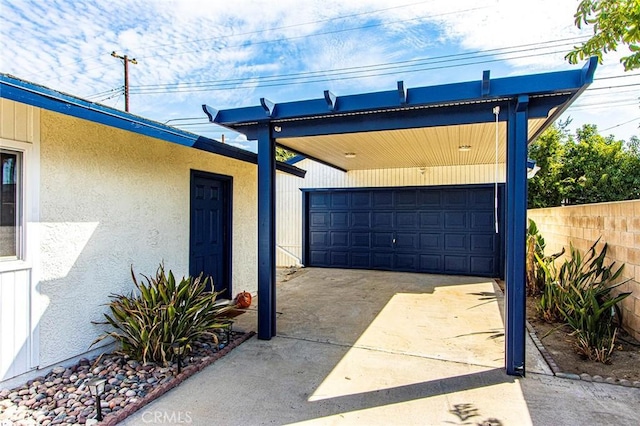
266	232
515	309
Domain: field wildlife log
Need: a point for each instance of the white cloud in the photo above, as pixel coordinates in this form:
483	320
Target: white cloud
66	45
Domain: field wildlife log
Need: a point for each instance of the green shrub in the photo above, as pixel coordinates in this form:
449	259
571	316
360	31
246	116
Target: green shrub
579	294
537	264
163	313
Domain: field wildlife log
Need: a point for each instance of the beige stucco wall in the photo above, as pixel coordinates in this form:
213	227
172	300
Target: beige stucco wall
110	199
619	226
289	197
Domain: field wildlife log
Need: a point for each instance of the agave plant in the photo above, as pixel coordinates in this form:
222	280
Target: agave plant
163	312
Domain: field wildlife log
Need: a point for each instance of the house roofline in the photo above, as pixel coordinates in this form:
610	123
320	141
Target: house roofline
36	95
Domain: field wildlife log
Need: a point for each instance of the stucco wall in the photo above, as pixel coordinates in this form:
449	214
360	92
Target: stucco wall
289	197
619	226
111	199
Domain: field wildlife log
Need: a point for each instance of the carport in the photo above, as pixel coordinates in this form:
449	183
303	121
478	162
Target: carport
409	128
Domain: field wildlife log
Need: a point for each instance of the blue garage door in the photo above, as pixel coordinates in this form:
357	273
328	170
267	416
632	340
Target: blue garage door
447	229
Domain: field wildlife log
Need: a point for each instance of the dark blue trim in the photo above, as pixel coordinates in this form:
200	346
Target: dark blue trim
296	159
42	97
403	119
509	87
266	234
305	229
515	306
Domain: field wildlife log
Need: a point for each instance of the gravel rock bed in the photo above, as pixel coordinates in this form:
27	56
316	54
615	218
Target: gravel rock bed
63	398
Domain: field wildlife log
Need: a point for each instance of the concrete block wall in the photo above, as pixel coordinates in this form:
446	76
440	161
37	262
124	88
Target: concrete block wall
618	224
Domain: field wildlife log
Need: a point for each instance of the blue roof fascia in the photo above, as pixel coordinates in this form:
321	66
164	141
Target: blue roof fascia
39	96
42	97
572	81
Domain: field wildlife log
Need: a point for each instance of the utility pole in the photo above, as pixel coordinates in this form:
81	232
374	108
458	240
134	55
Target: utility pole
126	61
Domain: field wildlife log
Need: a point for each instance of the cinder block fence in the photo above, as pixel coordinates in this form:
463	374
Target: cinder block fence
618	224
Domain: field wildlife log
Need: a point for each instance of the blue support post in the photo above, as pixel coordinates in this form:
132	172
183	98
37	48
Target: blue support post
266	233
515	309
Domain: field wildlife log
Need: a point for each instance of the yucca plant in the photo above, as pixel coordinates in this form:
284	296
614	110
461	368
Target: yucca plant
163	312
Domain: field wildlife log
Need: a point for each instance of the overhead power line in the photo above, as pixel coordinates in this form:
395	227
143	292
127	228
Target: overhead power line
325	76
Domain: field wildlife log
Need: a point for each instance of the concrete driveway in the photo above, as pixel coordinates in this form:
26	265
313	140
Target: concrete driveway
367	347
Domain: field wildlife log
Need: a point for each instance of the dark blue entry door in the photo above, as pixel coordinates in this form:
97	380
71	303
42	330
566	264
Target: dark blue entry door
446	229
209	230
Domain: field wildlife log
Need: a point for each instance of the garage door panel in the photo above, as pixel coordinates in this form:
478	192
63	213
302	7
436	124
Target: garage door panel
482	198
360	240
406	261
437	230
383	220
319	239
340	200
361	200
382	240
456	264
431	242
407	220
361	260
455	198
482	220
431	263
340	259
339	239
406	240
482	265
482	243
319	199
382	260
319	257
430	220
319	219
339	219
456	242
406	199
360	220
455	220
430	198
383	199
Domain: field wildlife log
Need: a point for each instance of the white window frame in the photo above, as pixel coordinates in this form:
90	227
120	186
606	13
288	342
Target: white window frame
29	195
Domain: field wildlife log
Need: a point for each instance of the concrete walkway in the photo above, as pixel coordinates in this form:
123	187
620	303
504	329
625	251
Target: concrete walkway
382	348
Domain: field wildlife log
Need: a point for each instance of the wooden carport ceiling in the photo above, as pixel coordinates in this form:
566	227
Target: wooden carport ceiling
420	147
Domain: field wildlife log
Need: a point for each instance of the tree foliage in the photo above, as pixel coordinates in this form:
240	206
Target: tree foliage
614	22
283	155
587	168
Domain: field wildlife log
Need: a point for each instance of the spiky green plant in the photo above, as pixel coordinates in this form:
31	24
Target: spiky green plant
163	312
537	263
579	293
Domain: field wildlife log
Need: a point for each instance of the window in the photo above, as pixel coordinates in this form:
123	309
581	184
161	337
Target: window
10	203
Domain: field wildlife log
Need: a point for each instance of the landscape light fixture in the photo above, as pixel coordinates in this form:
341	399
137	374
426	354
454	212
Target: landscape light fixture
178	350
96	387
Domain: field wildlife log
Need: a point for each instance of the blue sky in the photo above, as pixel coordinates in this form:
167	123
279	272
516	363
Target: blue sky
230	54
